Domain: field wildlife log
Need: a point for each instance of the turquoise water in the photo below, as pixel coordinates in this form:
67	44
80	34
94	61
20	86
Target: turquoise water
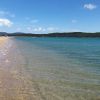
51	68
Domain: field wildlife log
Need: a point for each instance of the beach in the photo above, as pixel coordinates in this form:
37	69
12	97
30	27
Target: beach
49	68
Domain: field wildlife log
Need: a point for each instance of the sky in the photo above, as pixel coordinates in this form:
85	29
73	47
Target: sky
46	16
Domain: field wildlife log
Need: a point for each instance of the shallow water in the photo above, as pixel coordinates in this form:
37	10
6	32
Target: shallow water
49	68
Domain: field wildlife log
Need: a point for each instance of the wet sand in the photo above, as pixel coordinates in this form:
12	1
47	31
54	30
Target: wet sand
15	83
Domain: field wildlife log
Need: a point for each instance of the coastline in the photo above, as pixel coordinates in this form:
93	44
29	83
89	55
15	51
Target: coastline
57	34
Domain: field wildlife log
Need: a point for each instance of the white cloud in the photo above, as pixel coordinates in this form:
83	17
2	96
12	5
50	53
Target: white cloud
39	29
90	6
6	14
5	22
36	29
74	21
31	20
52	29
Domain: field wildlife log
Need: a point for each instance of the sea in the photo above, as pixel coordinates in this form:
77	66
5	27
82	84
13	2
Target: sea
50	68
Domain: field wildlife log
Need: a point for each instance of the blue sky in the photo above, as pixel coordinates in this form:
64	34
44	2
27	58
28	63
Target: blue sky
43	16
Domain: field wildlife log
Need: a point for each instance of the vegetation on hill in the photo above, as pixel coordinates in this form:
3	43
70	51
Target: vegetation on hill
70	34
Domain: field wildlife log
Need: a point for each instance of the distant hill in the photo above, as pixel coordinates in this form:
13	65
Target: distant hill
70	34
3	33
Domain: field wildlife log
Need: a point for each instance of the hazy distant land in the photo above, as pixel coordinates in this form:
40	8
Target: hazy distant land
57	34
